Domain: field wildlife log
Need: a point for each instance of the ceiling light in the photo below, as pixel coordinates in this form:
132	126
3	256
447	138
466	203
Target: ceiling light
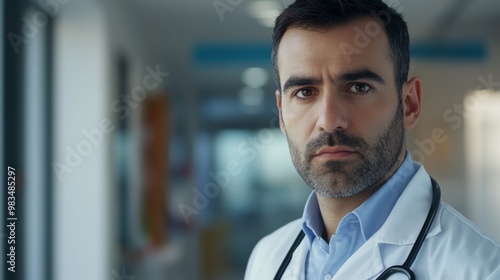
255	77
264	11
251	96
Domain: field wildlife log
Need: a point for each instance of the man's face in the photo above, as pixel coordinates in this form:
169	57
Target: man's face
339	107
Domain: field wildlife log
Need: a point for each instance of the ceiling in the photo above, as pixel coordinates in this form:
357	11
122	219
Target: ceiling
171	32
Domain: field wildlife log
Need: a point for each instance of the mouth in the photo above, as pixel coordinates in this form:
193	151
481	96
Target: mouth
335	153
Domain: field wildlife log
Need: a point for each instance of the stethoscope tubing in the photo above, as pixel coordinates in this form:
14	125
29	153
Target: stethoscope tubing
405	268
289	255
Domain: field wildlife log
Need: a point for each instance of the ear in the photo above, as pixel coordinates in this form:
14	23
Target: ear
278	104
412	102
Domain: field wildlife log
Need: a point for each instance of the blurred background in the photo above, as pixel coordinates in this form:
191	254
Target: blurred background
145	138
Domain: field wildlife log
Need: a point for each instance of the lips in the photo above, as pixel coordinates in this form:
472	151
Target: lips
335	152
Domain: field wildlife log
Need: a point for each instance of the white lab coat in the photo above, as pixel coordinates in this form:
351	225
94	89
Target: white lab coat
454	247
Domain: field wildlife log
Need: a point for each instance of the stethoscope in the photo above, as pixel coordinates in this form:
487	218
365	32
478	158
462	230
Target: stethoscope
405	267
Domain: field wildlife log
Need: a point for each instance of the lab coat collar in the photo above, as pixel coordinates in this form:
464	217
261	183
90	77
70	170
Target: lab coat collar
401	228
408	215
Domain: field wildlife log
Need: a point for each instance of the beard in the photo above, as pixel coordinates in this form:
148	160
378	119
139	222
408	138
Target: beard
345	178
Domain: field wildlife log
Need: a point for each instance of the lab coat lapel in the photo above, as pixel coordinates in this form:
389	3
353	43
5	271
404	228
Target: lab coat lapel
408	215
296	268
400	230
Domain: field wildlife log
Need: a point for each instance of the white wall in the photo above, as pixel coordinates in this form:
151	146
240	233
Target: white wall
34	154
82	97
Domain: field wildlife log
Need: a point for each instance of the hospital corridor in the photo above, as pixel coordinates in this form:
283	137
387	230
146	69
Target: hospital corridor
141	139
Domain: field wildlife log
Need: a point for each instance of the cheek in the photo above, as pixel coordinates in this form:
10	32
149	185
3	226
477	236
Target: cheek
298	127
296	114
292	112
373	121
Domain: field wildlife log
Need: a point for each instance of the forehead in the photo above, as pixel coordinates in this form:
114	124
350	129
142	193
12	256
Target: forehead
362	43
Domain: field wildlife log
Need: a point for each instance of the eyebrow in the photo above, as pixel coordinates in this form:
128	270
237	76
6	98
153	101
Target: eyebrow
295	81
362	74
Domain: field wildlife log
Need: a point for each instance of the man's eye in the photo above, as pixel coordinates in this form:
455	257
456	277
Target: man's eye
359	88
304	93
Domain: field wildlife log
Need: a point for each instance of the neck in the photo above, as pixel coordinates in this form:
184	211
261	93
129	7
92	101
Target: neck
334	209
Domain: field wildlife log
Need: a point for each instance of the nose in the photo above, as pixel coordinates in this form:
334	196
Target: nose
332	113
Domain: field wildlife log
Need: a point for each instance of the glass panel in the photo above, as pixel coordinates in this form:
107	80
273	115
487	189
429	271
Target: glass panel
263	190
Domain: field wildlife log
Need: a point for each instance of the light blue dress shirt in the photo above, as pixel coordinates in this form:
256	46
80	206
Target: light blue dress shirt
324	260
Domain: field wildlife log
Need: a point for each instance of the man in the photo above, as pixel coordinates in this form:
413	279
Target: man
345	103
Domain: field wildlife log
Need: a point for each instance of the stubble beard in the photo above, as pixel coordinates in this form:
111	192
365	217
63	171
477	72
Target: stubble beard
337	179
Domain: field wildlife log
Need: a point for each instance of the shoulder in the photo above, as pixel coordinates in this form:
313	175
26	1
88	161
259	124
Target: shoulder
461	250
455	225
270	250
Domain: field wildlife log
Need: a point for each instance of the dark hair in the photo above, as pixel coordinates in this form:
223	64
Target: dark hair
325	14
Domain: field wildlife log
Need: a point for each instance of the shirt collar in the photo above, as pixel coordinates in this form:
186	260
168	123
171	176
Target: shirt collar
372	213
312	225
